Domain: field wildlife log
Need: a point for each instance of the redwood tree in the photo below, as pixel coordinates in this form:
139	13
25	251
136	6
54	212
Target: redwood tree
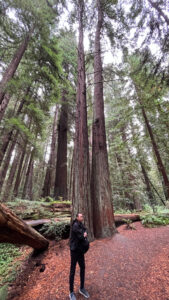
50	168
103	216
60	188
81	197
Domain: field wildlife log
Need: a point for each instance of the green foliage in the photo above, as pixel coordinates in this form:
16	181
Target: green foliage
51	200
18	124
35	210
4	292
26	209
151	220
55	230
8	252
122	211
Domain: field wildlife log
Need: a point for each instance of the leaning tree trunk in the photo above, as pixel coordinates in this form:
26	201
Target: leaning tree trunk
9	73
60	188
46	191
81	197
16	231
160	164
103	216
148	186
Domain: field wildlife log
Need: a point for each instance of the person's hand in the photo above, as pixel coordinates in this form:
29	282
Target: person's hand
85	234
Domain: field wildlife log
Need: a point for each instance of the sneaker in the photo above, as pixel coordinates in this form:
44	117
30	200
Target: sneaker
84	293
72	296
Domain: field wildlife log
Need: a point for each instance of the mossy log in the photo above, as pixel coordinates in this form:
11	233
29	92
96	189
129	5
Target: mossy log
14	230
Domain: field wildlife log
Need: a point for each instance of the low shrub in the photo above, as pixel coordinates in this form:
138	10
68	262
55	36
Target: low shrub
55	230
151	220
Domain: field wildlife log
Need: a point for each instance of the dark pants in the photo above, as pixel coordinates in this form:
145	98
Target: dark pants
76	256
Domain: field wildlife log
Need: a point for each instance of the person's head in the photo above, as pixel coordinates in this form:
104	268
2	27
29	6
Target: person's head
79	217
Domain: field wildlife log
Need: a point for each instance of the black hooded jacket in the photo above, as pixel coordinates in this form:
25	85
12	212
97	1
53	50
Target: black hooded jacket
77	236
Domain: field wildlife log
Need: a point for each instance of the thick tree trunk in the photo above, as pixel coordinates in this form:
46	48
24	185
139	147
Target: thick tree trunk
9	73
60	188
81	197
5	166
46	191
14	230
103	216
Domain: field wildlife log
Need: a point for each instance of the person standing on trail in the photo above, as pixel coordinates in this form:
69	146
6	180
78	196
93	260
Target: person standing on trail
79	245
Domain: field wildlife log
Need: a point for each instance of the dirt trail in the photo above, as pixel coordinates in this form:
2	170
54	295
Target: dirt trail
131	265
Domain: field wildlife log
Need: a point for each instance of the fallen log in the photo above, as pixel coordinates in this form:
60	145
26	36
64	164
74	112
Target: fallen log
14	230
120	218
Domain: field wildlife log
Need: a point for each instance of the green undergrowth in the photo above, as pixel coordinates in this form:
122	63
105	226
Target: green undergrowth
56	230
154	220
26	209
8	266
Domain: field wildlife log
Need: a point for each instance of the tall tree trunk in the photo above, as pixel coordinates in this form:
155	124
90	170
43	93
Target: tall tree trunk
81	198
60	188
10	180
46	191
18	176
160	165
5	166
103	215
9	73
148	186
24	170
29	194
70	190
27	177
132	182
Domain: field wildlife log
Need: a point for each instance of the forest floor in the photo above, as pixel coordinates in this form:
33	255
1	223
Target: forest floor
133	264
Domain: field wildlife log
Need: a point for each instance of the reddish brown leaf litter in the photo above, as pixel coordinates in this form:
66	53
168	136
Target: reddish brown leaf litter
132	265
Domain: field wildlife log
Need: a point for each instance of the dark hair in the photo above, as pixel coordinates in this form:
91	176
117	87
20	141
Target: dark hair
78	214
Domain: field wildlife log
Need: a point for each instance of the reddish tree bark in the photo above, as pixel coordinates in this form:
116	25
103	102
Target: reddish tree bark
81	197
16	231
46	191
60	188
103	216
